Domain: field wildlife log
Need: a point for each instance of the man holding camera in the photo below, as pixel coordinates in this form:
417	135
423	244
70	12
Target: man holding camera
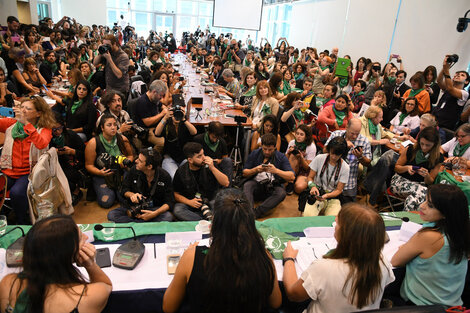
266	170
359	155
195	184
116	66
147	190
449	108
234	56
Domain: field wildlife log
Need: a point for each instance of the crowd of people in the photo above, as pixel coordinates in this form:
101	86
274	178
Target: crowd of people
325	136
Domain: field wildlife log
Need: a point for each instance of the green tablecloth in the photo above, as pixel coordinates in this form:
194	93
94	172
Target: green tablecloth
285	224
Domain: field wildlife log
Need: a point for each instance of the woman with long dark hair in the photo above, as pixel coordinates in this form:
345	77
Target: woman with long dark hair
417	167
344	280
430	84
235	274
436	257
49	279
80	114
269	124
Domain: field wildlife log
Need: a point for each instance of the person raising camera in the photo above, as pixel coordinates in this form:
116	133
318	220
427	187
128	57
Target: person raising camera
117	64
102	154
195	184
147	190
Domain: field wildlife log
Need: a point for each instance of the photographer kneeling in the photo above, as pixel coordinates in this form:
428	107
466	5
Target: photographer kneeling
328	175
195	185
148	192
105	156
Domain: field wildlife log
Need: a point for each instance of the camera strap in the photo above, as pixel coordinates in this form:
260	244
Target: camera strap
336	170
154	187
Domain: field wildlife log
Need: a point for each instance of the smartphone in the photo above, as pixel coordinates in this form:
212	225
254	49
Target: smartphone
46	39
7	112
395	56
103	258
415	168
357	147
264	165
181	78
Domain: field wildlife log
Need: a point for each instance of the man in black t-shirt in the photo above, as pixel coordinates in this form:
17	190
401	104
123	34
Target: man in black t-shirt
149	111
215	147
195	184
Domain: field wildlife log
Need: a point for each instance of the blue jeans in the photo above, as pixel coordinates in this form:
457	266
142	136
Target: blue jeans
119	215
105	196
19	198
171	165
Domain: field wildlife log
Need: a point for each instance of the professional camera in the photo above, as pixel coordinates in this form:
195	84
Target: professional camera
105	160
205	209
104	48
454	58
268	185
178	112
238	118
376	68
136	209
232	47
138	130
295	151
311	198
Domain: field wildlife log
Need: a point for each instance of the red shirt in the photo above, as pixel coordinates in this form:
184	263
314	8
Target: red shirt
20	151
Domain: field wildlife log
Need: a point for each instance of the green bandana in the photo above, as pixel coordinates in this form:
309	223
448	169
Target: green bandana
414	92
460	150
162	59
17	131
247	63
392	79
340	115
229	57
298	76
343	82
420	157
52	65
323	67
320	102
301	145
250	92
75	106
59	141
84	58
266	109
373	129
299	115
209	143
402	117
287	89
111	147
89	77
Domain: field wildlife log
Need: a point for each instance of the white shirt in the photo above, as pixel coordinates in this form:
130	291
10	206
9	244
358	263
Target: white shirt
324	280
410	122
310	151
450	146
327	181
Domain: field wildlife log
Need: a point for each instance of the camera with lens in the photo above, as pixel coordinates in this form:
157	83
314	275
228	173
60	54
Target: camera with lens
105	160
454	58
312	198
295	151
268	185
104	48
205	209
178	112
136	210
138	130
232	47
376	68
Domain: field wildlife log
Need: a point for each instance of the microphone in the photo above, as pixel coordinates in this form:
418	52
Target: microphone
129	254
14	253
404	219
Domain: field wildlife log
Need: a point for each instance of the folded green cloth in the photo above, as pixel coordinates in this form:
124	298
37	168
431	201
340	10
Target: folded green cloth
274	240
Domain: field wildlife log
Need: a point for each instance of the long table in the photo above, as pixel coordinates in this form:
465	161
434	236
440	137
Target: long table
195	88
142	289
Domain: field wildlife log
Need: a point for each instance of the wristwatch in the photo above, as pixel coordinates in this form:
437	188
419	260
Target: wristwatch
287	259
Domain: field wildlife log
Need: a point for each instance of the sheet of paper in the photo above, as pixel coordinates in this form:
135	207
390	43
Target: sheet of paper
319	232
408	229
406	143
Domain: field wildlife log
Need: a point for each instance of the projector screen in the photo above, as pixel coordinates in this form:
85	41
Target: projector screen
242	14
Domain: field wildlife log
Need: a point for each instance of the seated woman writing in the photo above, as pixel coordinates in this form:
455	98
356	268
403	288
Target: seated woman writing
344	280
235	274
436	257
27	137
49	279
100	153
417	167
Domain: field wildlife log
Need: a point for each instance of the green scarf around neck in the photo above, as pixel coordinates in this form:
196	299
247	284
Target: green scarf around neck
251	92
414	92
299	115
402	117
340	115
17	132
460	150
420	157
111	147
59	141
53	66
75	106
302	146
373	129
213	146
286	88
266	109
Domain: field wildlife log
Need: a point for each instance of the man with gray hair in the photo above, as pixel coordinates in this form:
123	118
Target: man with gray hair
148	110
232	89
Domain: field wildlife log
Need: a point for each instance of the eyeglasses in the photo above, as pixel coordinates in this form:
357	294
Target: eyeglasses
54	129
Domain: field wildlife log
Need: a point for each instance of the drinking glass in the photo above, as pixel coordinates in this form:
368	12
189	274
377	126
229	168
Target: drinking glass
3	224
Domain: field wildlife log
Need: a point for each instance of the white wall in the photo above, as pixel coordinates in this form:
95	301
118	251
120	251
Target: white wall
86	12
7	8
425	33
